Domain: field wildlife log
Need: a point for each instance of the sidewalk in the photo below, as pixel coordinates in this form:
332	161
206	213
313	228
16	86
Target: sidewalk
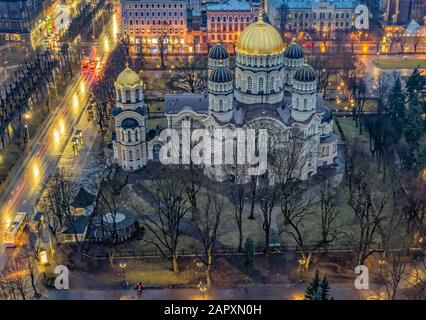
259	292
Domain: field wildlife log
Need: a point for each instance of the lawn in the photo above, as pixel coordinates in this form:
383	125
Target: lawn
350	130
407	63
153	123
370	105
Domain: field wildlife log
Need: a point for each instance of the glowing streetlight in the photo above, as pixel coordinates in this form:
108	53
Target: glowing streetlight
62	127
123	266
302	262
202	287
106	45
43	257
56	137
82	87
36	173
75	101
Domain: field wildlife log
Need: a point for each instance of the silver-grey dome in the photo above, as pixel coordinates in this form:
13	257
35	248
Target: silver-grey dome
294	51
220	74
305	74
218	52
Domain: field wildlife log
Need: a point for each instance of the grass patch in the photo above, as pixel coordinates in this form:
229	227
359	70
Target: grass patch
350	130
370	105
156	106
153	123
400	63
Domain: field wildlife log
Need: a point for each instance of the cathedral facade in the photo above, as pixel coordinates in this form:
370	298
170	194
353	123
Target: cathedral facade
270	88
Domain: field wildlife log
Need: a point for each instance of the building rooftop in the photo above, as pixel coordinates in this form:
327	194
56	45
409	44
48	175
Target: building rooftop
231	5
308	4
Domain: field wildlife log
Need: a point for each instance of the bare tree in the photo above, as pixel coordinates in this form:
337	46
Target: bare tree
393	272
163	44
190	76
268	197
289	163
329	215
236	177
324	71
369	207
14	281
57	210
208	222
416	40
31	257
172	204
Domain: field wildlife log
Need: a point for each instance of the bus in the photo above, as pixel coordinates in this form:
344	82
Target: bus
15	229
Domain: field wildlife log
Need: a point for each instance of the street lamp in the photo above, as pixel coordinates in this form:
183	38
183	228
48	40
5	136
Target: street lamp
123	279
381	263
301	263
203	288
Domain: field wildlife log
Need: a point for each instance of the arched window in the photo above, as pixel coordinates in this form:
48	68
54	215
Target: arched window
128	97
249	84
305	104
124	155
136	135
130	155
261	85
129	136
297	103
220	105
272	85
122	136
118	95
137	95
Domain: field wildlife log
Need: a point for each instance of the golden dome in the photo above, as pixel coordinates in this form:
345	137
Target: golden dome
128	77
260	38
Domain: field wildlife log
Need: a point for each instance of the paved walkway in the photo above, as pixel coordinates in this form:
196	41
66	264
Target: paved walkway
264	292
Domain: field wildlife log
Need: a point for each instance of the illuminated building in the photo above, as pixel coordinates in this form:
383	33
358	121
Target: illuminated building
155	24
401	12
225	20
315	15
129	138
261	96
18	17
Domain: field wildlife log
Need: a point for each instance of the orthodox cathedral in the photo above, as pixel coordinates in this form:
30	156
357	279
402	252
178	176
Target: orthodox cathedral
271	88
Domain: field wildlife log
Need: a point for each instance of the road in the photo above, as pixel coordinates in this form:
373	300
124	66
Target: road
25	184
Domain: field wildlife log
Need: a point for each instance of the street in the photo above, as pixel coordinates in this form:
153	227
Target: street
24	186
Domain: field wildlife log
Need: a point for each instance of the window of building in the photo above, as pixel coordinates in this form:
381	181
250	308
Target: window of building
261	85
249	84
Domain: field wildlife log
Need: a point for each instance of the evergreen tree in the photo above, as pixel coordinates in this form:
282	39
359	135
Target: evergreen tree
324	289
318	289
249	254
413	126
396	107
312	292
414	84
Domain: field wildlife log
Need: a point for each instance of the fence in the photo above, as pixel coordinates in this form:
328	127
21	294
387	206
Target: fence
196	252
